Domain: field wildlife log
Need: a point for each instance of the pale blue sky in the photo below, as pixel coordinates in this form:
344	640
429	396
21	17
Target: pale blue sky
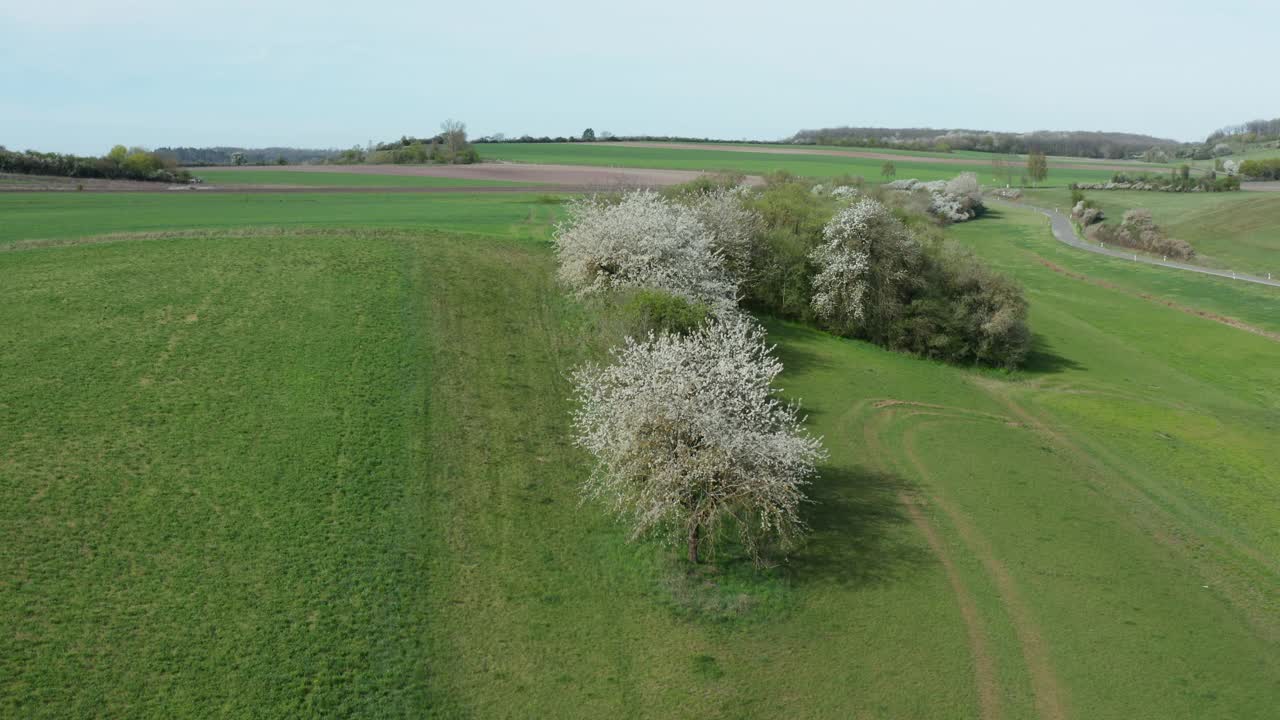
81	75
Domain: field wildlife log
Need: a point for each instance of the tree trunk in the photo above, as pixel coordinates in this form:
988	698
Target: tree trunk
693	544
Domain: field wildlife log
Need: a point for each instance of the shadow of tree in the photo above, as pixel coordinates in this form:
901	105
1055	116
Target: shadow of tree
1043	360
856	537
796	359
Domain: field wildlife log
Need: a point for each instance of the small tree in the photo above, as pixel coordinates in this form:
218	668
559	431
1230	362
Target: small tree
1037	166
888	170
453	133
237	158
867	260
643	241
588	135
690	438
732	227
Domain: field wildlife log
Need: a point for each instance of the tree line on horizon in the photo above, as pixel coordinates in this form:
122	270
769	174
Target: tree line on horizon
120	163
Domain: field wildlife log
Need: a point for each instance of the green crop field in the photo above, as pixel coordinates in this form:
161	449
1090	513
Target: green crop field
307	454
1235	230
818	166
285	176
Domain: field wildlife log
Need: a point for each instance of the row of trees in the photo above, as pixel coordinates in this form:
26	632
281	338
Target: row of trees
224	155
1179	179
1074	144
120	163
1266	169
1252	131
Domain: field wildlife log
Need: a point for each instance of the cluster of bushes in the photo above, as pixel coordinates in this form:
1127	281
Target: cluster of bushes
927	295
450	147
951	201
1179	180
1084	211
1137	230
1266	169
871	265
690	440
120	164
874	278
417	152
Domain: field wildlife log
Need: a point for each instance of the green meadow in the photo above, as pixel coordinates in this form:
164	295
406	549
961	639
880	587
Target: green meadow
308	454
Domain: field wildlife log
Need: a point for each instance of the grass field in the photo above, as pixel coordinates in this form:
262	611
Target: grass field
755	163
45	215
323	469
1238	230
267	176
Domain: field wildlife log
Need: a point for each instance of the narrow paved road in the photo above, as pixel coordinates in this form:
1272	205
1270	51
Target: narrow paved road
1065	232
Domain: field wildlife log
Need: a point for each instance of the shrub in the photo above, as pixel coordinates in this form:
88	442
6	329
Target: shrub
646	312
733	227
966	313
642	241
955	200
866	256
690	439
1265	169
1139	231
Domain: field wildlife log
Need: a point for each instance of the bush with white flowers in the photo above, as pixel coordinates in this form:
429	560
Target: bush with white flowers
690	439
866	253
954	200
732	227
643	241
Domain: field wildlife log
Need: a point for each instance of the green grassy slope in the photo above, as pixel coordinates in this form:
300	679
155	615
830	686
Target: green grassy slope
286	176
753	162
1237	230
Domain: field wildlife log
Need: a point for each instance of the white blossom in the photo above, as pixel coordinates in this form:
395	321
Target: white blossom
843	261
688	434
643	241
731	226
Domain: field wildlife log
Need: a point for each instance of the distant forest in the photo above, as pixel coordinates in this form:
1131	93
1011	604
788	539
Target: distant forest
195	157
1106	145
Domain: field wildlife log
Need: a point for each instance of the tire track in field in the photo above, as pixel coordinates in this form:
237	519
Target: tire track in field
985	680
1158	522
1044	681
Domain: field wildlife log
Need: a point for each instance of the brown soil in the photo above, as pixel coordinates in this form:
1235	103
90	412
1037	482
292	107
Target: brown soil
596	177
541	178
1081	164
12	182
